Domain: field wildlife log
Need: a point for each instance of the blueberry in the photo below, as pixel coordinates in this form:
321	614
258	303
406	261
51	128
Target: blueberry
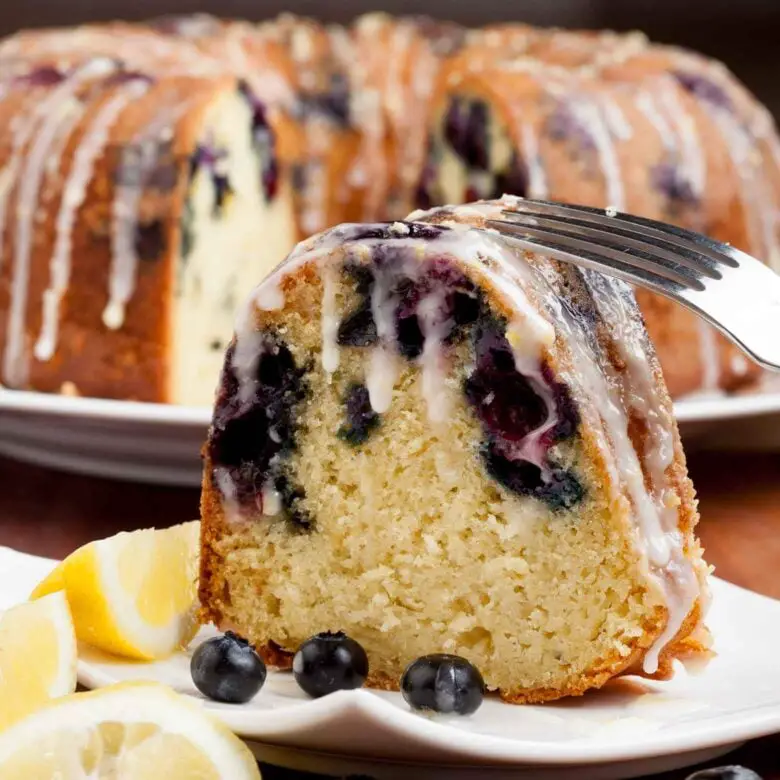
361	418
443	683
335	103
227	669
150	239
123	76
669	180
568	413
270	177
725	773
466	308
383	231
475	150
703	88
328	662
505	403
564	125
410	336
465	128
45	76
250	436
264	143
456	123
222	190
513	181
503	399
558	488
292	496
361	275
358	329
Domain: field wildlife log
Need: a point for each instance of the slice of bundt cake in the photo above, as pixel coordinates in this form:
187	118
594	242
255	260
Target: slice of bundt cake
137	207
437	443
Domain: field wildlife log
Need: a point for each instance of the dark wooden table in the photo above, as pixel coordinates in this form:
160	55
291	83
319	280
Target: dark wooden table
50	513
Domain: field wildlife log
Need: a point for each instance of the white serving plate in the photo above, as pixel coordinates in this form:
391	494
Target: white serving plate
628	729
161	443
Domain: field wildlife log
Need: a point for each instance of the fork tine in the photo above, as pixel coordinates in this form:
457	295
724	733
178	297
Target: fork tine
687	239
663	250
639	268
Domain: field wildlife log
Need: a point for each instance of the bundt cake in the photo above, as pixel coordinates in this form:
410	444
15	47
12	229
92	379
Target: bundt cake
353	124
435	442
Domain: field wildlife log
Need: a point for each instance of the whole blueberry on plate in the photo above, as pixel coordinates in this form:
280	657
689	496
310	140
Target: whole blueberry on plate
226	668
443	683
725	773
330	662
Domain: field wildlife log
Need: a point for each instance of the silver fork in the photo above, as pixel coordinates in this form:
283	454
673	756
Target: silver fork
730	289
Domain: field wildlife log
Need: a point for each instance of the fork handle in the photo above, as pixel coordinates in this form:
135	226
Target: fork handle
745	306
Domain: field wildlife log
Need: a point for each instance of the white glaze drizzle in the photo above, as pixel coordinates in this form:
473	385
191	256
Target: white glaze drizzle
537	178
757	200
616	119
680	137
590	115
74	192
432	360
656	507
645	102
124	213
247	353
317	132
382	370
59	112
270	297
689	145
329	320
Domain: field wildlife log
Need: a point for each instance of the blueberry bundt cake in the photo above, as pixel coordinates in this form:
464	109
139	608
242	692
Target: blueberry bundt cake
349	124
435	442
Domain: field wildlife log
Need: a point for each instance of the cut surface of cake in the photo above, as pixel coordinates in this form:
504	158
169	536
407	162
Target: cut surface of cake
435	442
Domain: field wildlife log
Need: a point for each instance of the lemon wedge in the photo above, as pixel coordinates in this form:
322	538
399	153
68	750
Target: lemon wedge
133	731
133	594
37	656
52	584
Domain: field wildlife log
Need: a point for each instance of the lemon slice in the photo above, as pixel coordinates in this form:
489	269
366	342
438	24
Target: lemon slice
133	594
133	731
37	656
52	584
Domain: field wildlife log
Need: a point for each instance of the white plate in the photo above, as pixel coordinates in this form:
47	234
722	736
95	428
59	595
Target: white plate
161	443
629	728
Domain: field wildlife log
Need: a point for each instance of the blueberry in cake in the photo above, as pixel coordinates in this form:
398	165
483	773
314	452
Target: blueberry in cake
436	443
